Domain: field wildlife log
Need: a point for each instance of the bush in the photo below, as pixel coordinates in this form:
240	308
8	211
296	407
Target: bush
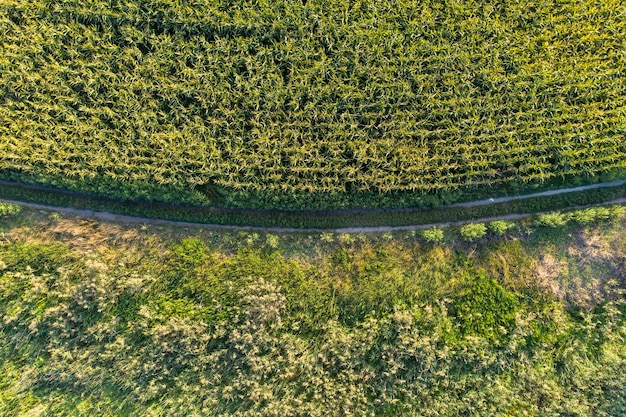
617	211
9	209
272	241
592	214
486	309
327	237
603	213
500	227
586	216
346	239
473	231
554	219
433	235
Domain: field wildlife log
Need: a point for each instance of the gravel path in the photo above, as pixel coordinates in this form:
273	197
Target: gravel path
105	216
541	194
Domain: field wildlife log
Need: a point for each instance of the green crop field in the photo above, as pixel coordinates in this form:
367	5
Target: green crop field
311	104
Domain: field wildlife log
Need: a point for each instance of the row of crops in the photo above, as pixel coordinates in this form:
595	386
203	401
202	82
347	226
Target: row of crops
311	104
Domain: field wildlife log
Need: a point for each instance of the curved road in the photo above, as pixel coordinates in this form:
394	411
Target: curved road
106	216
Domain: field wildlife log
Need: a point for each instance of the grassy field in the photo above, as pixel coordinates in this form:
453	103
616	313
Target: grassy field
110	320
311	104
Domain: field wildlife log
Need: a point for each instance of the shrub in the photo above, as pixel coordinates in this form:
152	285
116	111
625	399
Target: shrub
500	227
554	219
485	308
433	235
586	216
272	241
592	214
603	213
617	211
346	239
473	231
251	238
9	209
327	237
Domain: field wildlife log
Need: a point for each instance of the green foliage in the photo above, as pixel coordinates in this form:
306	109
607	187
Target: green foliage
433	235
554	219
593	214
41	258
603	213
312	220
485	308
136	330
8	209
586	216
327	237
617	212
500	227
310	104
272	241
473	231
347	238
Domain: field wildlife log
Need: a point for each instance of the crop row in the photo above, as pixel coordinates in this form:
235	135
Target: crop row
288	105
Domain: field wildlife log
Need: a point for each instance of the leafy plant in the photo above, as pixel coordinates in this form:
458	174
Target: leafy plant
586	216
485	308
433	235
554	219
473	231
500	227
8	209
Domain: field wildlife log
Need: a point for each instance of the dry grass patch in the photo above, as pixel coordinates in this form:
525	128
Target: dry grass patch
549	273
592	246
87	237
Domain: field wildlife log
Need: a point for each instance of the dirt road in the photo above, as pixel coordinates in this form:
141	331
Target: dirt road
112	217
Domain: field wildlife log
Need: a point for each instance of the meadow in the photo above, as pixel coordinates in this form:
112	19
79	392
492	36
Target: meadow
311	104
113	320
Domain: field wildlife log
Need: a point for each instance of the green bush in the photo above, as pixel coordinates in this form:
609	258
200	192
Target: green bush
485	308
433	235
9	209
603	213
272	241
586	216
554	219
617	211
473	231
500	227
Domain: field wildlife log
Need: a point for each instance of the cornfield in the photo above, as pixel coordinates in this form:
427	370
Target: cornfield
310	104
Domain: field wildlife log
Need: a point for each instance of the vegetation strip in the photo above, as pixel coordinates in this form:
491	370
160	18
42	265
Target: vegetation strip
104	319
516	207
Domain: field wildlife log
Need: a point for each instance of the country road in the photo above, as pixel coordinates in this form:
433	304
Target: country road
112	217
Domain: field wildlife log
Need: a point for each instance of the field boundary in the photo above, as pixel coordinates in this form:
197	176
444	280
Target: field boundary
356	221
120	218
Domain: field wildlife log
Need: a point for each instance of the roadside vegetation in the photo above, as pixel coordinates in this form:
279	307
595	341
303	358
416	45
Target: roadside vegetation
311	104
113	320
312	220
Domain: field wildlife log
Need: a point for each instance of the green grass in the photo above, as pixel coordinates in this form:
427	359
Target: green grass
311	104
123	321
